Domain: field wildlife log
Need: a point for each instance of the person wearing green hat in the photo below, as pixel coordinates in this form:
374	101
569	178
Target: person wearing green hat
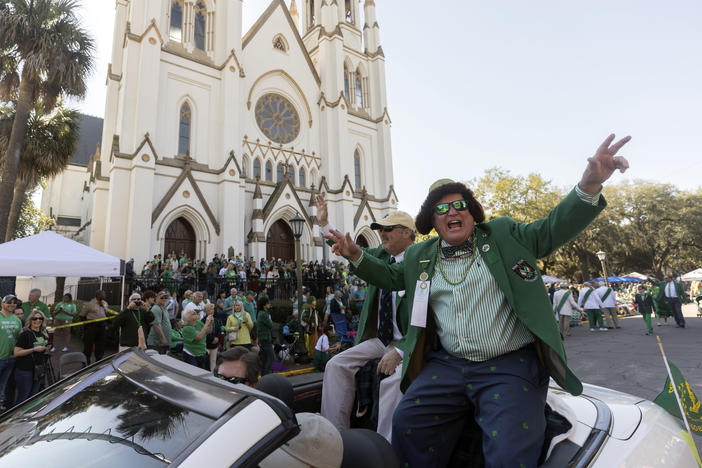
482	341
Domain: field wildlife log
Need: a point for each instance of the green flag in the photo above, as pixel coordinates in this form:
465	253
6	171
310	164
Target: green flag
690	403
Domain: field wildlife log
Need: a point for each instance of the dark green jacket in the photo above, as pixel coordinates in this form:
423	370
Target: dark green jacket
264	325
644	302
678	289
368	323
502	243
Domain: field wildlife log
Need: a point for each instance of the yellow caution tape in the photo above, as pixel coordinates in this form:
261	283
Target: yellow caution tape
68	325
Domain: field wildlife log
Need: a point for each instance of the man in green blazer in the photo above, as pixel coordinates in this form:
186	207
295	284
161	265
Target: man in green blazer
482	340
674	295
382	324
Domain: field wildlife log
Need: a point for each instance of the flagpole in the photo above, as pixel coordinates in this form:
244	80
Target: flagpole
675	389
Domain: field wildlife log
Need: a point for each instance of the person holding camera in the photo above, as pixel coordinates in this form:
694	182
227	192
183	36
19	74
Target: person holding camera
133	323
30	354
63	314
194	338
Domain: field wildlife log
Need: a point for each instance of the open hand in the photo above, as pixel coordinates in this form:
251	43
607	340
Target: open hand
602	165
344	245
389	362
322	211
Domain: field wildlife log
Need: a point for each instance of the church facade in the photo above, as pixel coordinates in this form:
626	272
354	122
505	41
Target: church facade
213	140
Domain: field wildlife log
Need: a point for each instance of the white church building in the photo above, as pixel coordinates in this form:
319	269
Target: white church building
214	139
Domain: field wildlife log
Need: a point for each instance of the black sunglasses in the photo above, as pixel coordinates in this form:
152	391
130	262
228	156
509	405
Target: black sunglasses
234	380
37	318
388	228
443	208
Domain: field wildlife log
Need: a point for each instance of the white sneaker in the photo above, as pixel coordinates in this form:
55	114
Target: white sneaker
52	350
603	329
592	329
64	349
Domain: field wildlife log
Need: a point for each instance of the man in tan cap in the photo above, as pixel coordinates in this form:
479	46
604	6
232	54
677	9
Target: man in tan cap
382	324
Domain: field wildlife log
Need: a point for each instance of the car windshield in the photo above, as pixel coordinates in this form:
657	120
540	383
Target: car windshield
110	422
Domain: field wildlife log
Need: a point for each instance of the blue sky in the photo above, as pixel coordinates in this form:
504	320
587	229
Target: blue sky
527	86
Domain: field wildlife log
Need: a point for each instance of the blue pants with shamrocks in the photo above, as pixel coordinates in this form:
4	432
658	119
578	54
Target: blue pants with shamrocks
506	396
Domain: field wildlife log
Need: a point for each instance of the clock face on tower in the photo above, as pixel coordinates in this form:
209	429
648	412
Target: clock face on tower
277	118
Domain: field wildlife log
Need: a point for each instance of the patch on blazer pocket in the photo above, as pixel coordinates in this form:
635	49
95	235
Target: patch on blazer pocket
525	271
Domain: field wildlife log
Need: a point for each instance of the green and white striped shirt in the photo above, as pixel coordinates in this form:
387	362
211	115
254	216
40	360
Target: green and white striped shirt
474	320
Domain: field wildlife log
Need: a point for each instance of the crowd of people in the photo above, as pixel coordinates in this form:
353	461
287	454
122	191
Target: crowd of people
193	326
178	273
601	304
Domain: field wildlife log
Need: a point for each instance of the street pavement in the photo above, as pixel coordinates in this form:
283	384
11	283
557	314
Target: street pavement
627	360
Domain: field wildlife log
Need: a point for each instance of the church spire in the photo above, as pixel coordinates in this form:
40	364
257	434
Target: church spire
295	14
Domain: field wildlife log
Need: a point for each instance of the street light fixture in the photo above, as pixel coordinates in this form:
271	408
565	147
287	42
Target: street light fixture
602	256
297	224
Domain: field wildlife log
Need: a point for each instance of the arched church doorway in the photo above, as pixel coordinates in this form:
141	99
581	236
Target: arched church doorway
361	241
280	242
180	237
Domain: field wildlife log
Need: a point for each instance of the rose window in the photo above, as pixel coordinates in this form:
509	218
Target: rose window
277	118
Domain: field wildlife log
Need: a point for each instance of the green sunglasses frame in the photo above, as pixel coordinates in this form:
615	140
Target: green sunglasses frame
443	208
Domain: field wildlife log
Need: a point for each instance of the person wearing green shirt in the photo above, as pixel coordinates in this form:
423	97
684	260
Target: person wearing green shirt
264	325
230	300
476	292
194	342
250	305
176	337
10	328
33	302
160	333
63	314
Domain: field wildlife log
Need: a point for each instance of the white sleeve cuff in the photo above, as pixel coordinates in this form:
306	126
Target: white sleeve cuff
355	263
399	351
589	198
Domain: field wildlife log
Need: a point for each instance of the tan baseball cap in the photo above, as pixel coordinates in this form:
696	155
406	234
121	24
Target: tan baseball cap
398	218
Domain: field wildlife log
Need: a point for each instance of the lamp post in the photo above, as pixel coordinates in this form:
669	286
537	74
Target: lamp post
602	256
297	223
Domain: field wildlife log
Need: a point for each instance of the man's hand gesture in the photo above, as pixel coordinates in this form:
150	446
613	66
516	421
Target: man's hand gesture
344	245
602	165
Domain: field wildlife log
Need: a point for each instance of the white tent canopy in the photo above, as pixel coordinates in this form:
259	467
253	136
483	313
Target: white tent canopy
50	254
638	275
694	275
550	279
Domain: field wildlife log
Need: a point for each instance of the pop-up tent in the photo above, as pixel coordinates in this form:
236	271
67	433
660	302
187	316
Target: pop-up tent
50	254
550	279
694	275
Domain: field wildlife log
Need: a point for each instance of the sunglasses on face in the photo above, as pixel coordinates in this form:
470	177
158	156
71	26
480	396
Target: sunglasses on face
443	208
388	228
37	318
234	380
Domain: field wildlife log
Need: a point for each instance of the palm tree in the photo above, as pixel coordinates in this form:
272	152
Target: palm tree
49	141
44	39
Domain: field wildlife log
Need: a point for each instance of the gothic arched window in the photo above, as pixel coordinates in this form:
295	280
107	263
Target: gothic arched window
358	99
310	15
301	177
357	169
257	168
347	85
349	12
184	129
291	174
245	166
200	15
279	173
176	25
269	171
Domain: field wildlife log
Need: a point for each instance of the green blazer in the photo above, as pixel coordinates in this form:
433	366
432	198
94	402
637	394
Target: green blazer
660	297
368	323
503	243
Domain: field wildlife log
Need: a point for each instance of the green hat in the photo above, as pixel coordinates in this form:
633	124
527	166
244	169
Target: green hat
439	183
